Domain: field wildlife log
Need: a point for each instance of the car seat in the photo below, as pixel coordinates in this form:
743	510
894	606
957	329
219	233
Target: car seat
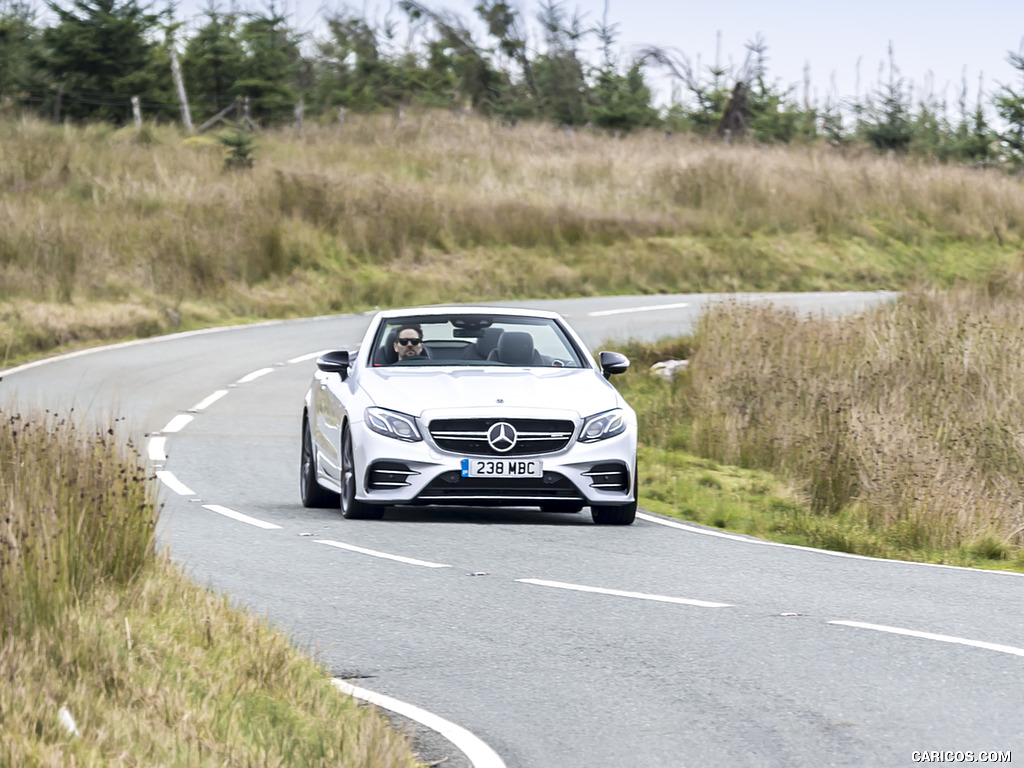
482	347
387	355
516	348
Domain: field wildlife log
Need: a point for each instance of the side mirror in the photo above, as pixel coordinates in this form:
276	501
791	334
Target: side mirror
334	362
613	362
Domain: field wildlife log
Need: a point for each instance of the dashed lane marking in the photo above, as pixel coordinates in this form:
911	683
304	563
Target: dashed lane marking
931	636
240	517
624	593
173	483
383	555
630	310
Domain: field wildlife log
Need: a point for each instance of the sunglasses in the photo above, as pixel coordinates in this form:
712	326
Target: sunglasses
407	342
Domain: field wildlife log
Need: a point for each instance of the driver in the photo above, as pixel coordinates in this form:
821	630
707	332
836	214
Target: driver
409	343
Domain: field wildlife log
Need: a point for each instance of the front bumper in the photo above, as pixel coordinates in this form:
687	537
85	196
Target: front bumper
391	471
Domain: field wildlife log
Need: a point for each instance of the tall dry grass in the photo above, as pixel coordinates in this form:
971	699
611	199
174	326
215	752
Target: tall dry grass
76	513
908	419
144	230
152	669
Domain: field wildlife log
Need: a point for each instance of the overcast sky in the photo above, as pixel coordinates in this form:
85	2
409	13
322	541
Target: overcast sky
937	44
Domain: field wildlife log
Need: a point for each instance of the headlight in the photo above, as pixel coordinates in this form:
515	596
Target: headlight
392	424
603	425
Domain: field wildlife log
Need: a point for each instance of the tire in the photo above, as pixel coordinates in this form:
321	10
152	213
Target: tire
313	495
352	508
621	514
617	514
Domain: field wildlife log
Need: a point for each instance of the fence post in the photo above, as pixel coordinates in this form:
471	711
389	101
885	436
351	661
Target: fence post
137	111
298	117
56	104
186	115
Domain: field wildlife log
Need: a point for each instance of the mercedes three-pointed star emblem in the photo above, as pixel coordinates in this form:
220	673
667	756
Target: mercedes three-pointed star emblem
502	437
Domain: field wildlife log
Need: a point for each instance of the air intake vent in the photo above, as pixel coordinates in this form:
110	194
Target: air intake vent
609	477
385	475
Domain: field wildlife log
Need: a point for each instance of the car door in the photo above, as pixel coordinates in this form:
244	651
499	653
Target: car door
328	393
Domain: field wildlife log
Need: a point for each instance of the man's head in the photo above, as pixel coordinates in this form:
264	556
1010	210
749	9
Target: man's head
408	342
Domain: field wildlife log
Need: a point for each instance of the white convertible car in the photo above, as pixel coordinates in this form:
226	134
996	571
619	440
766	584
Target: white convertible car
469	406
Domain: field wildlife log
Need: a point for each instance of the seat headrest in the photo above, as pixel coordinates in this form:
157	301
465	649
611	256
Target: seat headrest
515	348
488	341
390	356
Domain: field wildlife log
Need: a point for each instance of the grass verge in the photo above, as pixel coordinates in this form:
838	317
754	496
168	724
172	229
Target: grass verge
150	668
895	434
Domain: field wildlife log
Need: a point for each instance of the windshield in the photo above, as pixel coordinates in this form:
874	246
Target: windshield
474	340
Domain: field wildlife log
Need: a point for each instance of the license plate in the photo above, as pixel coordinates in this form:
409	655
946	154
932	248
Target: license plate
502	468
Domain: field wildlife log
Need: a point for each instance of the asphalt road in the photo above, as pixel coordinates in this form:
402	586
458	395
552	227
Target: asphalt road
556	642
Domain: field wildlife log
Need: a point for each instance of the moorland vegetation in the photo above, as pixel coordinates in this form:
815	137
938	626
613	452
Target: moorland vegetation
897	433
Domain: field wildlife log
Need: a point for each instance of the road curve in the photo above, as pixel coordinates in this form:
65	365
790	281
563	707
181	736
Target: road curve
556	642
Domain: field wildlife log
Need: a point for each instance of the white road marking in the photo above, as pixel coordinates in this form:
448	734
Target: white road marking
930	636
832	553
630	310
168	479
479	754
310	356
707	532
239	516
157	449
385	555
178	423
206	402
623	593
254	375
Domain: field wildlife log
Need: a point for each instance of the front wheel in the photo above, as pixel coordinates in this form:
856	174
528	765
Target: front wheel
621	514
351	507
313	494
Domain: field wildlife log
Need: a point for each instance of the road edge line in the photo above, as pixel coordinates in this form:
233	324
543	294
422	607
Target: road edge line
474	748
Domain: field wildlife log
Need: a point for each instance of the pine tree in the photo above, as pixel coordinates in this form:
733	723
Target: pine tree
1010	107
19	40
101	52
621	102
272	74
886	123
213	63
561	83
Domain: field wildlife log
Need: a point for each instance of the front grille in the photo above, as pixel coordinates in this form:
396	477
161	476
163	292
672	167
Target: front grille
609	477
469	436
452	487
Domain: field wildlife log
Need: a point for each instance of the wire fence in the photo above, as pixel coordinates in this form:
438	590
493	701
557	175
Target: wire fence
60	103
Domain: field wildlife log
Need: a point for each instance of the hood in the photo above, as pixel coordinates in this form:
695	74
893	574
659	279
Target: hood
434	392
